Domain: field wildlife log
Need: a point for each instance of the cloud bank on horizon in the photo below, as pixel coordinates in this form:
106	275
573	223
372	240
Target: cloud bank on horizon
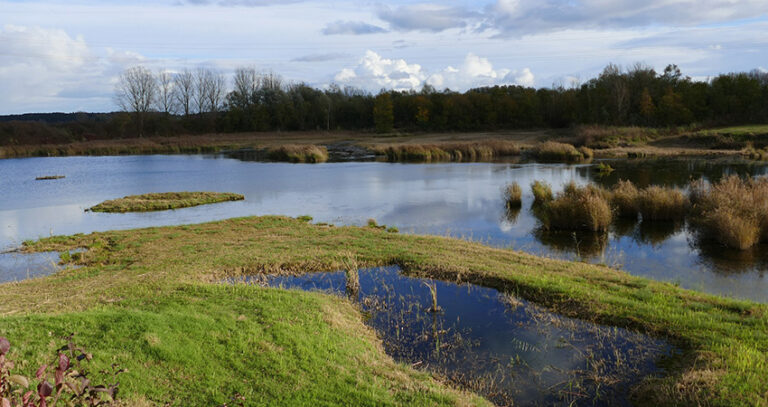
50	63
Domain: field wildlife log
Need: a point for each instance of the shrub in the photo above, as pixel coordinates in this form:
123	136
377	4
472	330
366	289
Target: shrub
514	195
733	211
625	199
662	203
68	374
578	208
542	192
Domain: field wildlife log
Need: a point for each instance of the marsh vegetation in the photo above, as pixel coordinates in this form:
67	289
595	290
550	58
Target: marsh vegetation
164	201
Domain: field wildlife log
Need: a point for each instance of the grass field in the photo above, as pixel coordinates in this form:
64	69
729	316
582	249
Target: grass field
149	300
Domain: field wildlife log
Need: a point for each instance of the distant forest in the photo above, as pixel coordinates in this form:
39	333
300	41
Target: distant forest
195	102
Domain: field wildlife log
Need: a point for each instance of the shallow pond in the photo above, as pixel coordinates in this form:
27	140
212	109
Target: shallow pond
16	266
507	349
457	199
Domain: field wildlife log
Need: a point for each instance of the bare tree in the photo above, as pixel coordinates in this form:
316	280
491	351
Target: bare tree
246	84
184	90
165	92
135	92
202	83
216	90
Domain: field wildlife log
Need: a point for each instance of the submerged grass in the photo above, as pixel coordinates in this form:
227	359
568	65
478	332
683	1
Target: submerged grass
149	299
164	201
733	211
448	151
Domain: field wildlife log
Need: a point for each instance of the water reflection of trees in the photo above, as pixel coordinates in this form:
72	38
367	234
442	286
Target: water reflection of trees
656	232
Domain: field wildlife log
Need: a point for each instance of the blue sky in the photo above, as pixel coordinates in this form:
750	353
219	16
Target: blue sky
66	56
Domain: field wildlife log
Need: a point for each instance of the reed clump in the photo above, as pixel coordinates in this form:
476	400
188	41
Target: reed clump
733	211
578	208
662	203
298	153
554	151
625	195
514	195
458	151
542	192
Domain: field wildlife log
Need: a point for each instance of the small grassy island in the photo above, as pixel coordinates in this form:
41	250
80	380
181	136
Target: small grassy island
164	201
152	302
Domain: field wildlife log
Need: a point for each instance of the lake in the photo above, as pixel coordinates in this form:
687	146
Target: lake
457	199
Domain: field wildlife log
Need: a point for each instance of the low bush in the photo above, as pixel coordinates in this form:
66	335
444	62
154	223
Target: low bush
65	380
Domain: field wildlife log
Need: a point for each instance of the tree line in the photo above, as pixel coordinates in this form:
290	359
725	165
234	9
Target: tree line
204	100
263	101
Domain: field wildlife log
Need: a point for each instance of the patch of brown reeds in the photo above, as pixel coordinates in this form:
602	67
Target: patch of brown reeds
561	152
662	203
467	151
513	195
298	153
733	211
624	199
578	208
542	192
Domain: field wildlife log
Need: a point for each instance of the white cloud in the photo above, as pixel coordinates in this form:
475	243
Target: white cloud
374	72
517	17
426	17
477	72
48	67
351	28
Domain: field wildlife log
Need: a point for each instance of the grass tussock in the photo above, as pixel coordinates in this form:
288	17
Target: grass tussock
662	203
164	201
464	151
298	153
624	199
560	152
601	137
578	208
733	211
513	195
49	177
542	192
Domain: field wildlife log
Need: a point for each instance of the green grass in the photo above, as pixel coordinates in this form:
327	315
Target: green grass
148	299
164	201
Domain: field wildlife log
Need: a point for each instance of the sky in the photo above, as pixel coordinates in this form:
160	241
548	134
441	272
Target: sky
67	55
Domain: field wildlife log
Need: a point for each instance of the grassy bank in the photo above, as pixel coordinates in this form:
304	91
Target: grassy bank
147	300
164	201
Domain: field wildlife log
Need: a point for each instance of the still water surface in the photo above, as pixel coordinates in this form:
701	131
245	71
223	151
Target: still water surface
506	349
457	199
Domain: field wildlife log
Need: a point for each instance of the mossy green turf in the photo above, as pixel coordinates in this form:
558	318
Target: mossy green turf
160	286
164	201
